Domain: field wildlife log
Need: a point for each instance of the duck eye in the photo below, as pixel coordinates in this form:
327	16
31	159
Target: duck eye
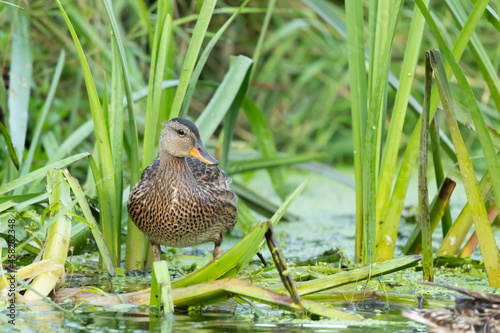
181	132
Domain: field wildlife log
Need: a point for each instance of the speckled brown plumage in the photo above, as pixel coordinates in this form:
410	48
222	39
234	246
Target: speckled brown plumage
480	313
182	201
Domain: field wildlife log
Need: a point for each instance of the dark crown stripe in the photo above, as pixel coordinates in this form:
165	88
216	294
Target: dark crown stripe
189	124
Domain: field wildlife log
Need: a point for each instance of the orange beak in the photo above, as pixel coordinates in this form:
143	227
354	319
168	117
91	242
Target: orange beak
200	153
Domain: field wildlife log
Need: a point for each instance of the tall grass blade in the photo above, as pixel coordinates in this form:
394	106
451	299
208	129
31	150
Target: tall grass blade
259	163
155	82
229	91
43	114
423	196
377	94
231	117
263	31
192	55
255	201
105	211
10	146
284	206
388	231
116	137
104	153
357	71
21	69
488	245
134	142
6	205
73	141
162	277
144	17
136	242
492	261
265	142
167	95
406	77
479	52
203	59
155	294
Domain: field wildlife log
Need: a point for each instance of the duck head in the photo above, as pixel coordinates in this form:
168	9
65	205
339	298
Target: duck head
181	138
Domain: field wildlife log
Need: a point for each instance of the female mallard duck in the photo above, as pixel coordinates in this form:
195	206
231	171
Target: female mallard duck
479	313
183	198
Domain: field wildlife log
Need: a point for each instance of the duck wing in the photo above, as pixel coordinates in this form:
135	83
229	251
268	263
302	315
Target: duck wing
147	179
149	174
212	179
136	203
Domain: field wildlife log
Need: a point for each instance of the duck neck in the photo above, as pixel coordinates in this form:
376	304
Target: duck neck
173	167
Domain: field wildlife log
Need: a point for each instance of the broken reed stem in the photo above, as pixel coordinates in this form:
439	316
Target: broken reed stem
161	288
423	197
438	208
446	221
279	261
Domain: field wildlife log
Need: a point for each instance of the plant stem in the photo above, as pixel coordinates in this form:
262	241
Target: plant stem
423	196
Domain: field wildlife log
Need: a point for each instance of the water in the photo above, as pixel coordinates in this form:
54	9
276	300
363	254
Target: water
225	317
326	222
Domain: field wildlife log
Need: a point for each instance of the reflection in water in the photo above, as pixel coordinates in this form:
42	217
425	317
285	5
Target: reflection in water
228	317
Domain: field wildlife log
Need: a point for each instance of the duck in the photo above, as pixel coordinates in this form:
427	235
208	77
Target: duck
183	198
479	312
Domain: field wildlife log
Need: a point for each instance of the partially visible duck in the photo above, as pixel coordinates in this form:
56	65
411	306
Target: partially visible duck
478	313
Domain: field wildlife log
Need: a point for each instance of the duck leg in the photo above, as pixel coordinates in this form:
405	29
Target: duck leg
217	253
156	251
